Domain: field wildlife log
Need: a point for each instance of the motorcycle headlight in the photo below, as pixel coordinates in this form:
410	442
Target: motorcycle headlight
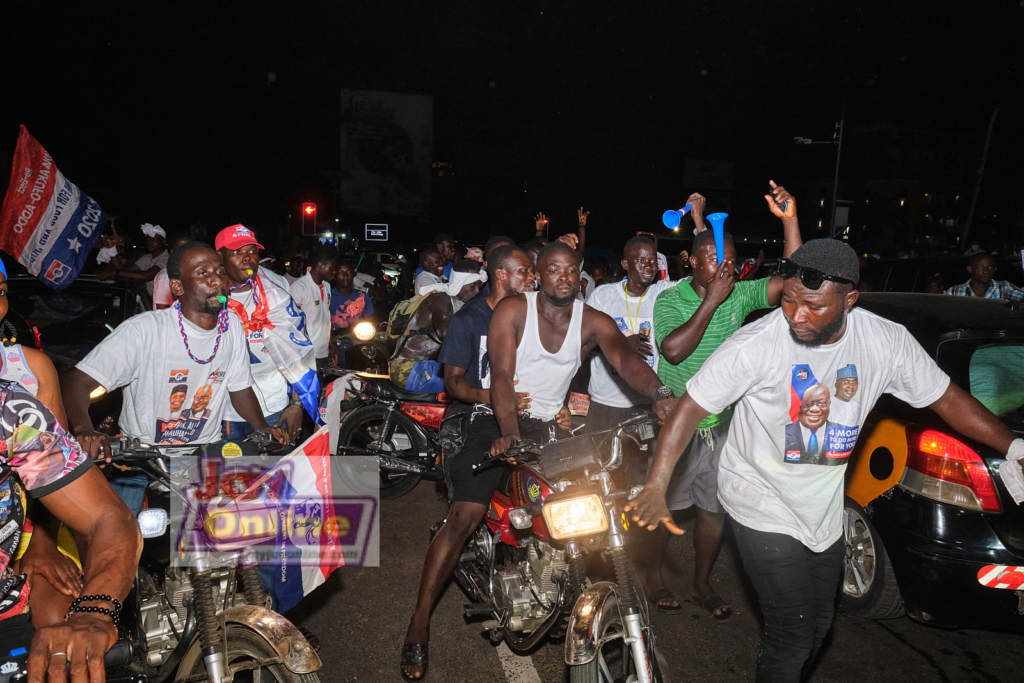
364	331
578	516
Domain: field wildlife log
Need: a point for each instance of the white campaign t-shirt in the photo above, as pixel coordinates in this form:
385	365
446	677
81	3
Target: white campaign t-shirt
315	302
607	386
769	478
269	384
146	355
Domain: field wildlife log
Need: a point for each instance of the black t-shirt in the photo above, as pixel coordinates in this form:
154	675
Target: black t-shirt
465	343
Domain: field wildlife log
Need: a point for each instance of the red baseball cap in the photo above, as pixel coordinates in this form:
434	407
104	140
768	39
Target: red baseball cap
236	237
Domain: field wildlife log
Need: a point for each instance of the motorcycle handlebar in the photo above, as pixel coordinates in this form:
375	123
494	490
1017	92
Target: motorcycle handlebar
518	448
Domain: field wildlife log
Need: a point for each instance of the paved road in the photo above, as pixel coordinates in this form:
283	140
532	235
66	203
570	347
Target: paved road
361	616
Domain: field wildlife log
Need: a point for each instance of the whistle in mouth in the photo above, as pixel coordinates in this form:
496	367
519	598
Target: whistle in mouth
223	300
248	271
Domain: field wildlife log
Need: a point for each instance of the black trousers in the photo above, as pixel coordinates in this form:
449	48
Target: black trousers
796	588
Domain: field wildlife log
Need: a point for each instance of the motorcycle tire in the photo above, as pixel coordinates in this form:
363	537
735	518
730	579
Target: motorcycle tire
243	644
614	663
358	430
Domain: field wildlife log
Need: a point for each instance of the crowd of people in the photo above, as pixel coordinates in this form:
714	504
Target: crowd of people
759	420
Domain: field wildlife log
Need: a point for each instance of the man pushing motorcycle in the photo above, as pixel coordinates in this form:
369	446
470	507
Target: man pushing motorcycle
522	326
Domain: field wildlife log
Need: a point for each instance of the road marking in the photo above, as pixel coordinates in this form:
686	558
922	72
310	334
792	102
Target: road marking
517	669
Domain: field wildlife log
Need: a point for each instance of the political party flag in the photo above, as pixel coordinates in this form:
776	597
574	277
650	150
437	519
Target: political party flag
283	328
47	223
325	524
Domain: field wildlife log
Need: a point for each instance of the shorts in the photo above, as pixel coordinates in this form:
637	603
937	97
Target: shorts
478	487
695	478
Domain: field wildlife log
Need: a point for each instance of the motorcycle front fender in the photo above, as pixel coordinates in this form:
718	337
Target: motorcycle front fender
582	638
288	642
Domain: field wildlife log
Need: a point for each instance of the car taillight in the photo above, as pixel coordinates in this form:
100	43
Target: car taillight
947	470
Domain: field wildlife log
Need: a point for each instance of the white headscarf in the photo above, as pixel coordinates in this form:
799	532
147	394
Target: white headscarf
455	285
150	230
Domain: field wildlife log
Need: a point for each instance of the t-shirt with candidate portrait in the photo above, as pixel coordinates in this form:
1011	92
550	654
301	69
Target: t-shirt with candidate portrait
633	315
465	343
783	464
147	356
348	309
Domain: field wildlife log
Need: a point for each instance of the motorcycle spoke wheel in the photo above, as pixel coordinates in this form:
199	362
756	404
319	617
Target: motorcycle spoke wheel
363	433
614	661
245	648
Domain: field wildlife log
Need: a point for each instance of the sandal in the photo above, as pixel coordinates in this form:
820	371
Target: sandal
663	594
712	604
414	654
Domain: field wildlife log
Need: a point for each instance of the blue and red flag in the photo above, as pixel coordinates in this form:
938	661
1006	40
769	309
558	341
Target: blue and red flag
803	379
47	223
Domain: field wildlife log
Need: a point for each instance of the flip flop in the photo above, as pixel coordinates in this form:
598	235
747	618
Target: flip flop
712	604
414	654
661	594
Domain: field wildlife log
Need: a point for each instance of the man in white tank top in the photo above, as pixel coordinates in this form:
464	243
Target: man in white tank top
539	339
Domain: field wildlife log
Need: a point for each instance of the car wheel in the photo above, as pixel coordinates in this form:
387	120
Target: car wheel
869	584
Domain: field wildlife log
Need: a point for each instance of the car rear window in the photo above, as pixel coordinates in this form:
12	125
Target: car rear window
997	379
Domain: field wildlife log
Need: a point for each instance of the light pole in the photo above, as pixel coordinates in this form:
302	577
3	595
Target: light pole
837	140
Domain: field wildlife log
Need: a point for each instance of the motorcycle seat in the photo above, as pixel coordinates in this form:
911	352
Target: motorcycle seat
386	388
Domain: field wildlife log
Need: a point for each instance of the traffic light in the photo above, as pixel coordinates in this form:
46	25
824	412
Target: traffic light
309	217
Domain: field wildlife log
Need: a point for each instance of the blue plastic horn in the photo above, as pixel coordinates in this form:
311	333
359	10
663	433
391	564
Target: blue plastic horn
672	218
718	227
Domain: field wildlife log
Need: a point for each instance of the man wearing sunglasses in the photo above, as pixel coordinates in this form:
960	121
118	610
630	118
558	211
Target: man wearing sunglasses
786	502
691	320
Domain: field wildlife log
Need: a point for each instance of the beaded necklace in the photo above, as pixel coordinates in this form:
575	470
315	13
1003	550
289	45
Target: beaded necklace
222	324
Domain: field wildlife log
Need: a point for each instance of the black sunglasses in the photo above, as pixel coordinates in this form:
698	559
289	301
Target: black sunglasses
811	278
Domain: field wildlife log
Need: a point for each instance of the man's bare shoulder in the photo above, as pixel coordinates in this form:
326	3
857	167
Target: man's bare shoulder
514	306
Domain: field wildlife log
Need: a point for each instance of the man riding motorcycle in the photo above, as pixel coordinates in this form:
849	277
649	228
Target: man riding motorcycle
194	343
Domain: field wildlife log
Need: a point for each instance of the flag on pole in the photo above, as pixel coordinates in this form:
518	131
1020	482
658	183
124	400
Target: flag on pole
321	524
47	223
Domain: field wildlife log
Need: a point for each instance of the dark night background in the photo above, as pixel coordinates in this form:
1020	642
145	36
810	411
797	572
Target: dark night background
166	114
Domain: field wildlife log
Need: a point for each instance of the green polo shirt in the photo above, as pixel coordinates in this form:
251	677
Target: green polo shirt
677	305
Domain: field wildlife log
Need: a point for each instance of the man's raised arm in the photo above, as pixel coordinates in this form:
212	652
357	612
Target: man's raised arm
501	348
791	233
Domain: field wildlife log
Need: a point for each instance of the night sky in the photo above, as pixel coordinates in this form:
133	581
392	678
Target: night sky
169	116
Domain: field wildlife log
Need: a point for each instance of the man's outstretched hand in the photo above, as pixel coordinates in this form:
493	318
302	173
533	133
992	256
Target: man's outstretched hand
649	510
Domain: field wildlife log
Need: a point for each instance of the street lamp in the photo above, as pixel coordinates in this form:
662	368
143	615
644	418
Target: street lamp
837	140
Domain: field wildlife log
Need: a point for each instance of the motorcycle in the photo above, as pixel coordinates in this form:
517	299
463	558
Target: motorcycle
402	429
209	620
525	568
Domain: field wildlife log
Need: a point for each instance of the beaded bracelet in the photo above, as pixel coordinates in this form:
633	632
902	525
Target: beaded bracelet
114	614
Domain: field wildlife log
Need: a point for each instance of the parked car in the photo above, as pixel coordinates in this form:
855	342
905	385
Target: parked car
67	324
930	528
389	263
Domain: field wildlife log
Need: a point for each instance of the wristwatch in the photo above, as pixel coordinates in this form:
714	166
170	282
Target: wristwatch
295	402
662	393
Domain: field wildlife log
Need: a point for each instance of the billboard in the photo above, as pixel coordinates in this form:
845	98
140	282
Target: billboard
386	141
